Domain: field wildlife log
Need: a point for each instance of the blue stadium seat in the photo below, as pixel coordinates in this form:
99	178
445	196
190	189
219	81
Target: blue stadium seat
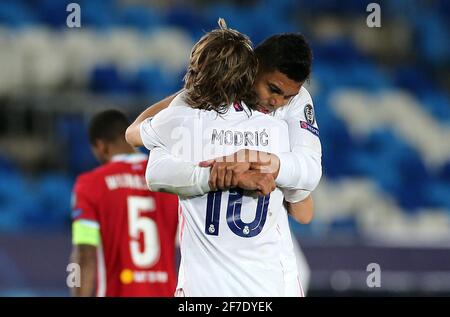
413	79
392	9
402	164
375	167
345	225
15	14
107	79
283	7
350	7
252	21
53	12
6	165
74	138
414	177
337	143
98	14
443	7
432	33
14	193
337	49
316	229
152	81
54	194
143	18
229	12
326	75
438	104
12	187
444	172
190	19
438	194
365	75
256	23
10	220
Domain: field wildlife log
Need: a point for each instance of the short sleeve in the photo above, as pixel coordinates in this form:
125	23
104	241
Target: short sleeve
83	200
303	126
148	135
294	196
158	130
301	168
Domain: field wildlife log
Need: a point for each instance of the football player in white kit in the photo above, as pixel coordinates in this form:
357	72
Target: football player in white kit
248	258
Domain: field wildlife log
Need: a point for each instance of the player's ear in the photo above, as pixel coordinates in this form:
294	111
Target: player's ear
100	149
102	146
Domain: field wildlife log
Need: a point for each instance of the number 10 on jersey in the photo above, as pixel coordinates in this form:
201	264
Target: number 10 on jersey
234	221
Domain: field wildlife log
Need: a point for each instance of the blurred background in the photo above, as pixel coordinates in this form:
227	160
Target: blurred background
381	97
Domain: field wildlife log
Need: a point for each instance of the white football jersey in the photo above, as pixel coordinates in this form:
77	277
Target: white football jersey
291	271
232	242
301	119
303	165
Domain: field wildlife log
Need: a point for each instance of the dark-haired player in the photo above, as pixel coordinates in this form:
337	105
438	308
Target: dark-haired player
123	235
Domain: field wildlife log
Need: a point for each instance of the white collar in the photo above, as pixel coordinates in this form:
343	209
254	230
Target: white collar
240	105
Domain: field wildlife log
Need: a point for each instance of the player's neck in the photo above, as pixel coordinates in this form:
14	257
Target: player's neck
121	149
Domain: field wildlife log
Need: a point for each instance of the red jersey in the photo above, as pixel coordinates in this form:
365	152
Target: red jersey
137	228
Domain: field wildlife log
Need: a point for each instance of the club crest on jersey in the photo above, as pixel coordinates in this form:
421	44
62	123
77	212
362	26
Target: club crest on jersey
309	114
310	128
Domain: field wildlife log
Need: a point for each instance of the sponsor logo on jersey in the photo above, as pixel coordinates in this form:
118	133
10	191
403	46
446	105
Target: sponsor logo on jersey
128	276
309	114
310	128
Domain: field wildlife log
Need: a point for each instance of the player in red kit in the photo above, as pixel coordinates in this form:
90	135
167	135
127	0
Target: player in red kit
123	235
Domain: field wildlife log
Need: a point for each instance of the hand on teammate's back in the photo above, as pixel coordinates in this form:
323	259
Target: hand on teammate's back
267	163
227	170
224	175
262	183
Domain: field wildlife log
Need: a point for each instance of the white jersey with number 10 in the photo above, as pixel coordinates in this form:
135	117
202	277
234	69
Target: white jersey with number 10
231	241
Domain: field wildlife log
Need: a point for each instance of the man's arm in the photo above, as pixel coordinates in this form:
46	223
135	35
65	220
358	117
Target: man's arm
226	170
192	179
85	233
301	168
302	211
85	240
132	135
167	173
86	257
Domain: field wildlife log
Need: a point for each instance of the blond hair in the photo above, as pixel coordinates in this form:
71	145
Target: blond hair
221	70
